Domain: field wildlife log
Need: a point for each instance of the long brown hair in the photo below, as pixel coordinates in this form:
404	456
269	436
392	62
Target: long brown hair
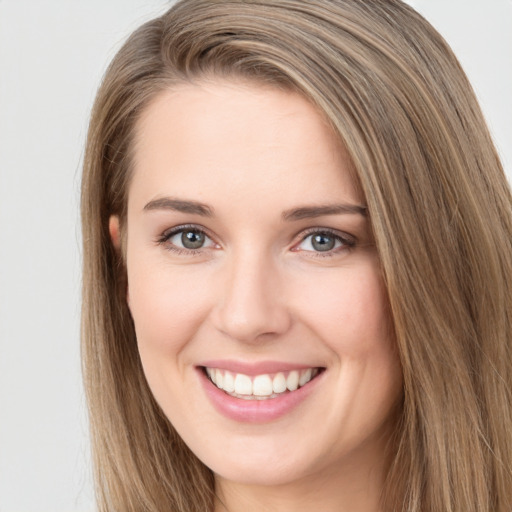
439	206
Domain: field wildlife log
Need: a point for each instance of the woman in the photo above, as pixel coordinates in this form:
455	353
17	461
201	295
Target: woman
297	267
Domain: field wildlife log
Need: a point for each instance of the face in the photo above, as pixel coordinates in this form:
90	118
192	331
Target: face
254	285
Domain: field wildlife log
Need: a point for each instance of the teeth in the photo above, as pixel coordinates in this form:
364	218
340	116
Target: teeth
229	382
243	384
304	377
292	382
279	383
219	379
261	385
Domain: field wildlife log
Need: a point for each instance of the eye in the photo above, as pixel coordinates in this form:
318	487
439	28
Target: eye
325	241
189	239
183	238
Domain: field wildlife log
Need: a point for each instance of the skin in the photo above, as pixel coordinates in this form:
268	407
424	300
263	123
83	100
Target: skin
258	290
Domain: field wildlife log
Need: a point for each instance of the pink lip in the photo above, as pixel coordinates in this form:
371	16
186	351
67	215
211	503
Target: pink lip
253	369
255	411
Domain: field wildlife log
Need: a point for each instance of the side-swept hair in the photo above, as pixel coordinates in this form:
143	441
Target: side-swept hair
440	209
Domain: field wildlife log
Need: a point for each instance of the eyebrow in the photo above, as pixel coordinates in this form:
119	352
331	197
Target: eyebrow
179	205
303	212
309	212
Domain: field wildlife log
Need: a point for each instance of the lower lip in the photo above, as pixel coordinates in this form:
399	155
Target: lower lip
256	411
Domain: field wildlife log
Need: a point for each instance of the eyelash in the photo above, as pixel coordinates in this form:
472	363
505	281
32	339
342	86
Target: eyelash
167	235
348	242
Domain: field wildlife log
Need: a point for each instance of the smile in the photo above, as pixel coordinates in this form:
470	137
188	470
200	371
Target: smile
260	387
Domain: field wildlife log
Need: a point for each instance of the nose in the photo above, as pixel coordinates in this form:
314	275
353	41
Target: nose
251	305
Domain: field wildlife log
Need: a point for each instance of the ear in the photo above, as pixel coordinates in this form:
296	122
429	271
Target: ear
115	235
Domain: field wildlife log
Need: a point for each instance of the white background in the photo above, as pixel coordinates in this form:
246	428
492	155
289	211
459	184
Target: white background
52	55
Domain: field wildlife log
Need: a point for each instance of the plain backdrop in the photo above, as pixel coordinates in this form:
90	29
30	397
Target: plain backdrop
52	56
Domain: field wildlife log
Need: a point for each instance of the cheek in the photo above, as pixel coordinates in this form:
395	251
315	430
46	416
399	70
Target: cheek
349	310
167	306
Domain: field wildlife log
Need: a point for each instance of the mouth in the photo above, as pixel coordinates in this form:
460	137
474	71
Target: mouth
265	386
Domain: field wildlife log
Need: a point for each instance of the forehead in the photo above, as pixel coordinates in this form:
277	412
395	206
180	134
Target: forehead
221	139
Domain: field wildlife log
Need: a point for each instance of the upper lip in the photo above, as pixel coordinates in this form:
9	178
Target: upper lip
255	367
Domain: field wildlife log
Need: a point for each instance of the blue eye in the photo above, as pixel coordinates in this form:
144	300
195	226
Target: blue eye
189	239
324	241
186	238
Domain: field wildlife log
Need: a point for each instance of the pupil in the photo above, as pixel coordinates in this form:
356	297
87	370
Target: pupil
192	239
323	242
